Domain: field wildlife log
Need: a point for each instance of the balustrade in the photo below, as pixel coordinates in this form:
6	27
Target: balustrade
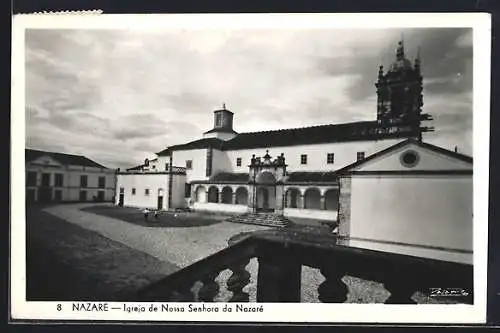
281	255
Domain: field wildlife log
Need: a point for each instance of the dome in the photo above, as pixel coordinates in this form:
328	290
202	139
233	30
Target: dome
401	64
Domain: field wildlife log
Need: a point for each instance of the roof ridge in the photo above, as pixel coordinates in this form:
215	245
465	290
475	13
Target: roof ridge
54	152
306	127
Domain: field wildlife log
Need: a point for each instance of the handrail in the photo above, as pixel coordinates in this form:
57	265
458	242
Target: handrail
281	253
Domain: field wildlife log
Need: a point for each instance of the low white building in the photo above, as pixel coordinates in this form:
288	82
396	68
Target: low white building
412	198
58	177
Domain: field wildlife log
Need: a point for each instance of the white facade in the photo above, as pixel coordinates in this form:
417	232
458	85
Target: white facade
423	209
150	190
48	180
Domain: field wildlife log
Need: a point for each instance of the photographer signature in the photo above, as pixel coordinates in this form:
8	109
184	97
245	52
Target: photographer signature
448	292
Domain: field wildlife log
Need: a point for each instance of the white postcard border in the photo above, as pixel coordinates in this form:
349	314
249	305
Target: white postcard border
292	312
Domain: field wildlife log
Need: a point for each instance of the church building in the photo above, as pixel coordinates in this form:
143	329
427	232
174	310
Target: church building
289	172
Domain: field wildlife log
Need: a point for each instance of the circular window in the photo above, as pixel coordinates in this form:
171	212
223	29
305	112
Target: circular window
409	158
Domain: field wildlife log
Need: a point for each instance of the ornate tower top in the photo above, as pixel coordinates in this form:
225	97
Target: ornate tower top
400	99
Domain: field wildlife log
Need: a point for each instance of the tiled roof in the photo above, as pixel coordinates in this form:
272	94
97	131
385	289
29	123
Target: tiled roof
229	177
197	144
65	159
313	177
356	131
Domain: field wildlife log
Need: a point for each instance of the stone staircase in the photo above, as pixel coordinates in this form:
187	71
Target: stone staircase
266	219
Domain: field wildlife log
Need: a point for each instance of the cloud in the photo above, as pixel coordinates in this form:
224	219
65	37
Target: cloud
120	95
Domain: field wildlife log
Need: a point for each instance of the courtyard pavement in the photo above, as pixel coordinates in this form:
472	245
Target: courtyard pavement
180	246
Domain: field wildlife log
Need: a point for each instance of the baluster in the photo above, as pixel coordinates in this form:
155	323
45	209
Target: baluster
333	289
238	280
210	288
401	291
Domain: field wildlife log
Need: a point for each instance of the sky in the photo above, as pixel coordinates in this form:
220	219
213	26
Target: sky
119	96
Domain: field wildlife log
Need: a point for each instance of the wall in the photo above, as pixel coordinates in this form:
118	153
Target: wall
178	191
199	158
216	207
220	135
327	215
424	210
221	161
71	181
345	154
140	182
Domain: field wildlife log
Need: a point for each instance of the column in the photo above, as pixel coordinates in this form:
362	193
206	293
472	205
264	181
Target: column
251	198
233	199
301	204
279	199
322	202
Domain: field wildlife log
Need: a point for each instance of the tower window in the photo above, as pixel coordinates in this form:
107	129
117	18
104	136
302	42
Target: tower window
189	164
360	155
330	158
238	161
133	190
303	159
218	120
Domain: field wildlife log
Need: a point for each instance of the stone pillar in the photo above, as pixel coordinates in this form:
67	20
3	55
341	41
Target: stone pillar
219	196
344	210
279	199
301	204
322	202
251	198
233	199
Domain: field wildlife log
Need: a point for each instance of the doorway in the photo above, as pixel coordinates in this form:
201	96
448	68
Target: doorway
266	201
160	202
120	200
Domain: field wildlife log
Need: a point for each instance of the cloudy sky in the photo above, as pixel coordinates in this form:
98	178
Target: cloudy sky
118	96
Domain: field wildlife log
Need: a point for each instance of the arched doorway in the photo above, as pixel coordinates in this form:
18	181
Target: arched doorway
332	199
265	192
292	198
312	199
227	195
201	194
213	194
241	196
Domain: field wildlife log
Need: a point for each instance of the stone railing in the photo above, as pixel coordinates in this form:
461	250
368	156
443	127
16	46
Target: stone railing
281	255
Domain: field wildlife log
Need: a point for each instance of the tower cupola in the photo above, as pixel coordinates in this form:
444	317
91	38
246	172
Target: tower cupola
223	124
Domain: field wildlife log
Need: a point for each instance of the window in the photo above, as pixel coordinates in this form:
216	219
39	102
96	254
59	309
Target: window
330	158
102	182
189	164
360	155
100	196
122	190
166	166
58	180
218	120
303	159
83	181
31	178
45	179
238	161
133	190
187	190
146	191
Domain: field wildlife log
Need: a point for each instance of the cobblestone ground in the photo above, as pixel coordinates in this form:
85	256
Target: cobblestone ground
184	246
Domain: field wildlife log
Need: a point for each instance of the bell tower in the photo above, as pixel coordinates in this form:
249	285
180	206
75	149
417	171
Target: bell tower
223	125
399	96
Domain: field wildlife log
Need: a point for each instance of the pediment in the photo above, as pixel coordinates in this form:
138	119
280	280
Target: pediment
414	156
